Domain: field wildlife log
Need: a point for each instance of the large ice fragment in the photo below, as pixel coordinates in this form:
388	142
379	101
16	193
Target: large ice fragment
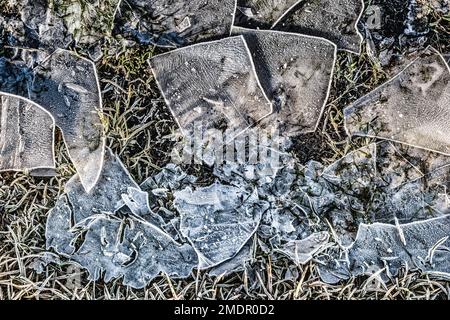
412	108
67	86
335	20
212	85
295	71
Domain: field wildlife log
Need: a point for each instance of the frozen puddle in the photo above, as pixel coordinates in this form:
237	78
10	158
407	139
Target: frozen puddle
412	108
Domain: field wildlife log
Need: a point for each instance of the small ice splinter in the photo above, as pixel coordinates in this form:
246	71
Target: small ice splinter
412	108
26	135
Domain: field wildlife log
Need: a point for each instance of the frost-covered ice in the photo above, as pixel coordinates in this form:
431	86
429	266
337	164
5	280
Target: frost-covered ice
26	135
335	20
213	85
412	108
295	72
175	23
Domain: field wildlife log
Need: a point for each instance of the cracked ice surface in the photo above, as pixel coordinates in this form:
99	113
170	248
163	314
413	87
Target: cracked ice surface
26	135
95	231
295	71
218	220
412	108
175	23
334	20
213	84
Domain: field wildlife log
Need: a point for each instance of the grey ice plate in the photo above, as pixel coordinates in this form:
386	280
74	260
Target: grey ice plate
295	71
412	108
26	135
175	23
213	85
335	20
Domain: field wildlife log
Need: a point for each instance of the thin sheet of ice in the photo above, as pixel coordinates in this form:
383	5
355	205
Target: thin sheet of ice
420	245
175	23
218	220
67	86
302	251
334	20
26	135
295	72
412	108
213	85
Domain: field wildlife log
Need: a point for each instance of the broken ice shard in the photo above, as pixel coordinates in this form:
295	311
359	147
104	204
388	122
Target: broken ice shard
412	108
334	20
295	72
26	135
66	85
95	230
218	220
421	245
302	251
263	14
175	23
211	85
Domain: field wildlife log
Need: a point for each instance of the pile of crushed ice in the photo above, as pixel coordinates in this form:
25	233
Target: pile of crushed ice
240	67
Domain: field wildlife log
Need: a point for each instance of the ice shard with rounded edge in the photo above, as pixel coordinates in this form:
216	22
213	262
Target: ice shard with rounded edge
218	220
67	86
263	13
211	85
295	72
411	108
386	248
175	23
26	135
302	251
335	20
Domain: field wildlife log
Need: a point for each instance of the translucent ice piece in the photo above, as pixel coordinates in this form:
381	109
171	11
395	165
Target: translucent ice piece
218	220
419	245
295	72
263	13
67	86
175	23
334	20
26	135
412	108
301	251
211	85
